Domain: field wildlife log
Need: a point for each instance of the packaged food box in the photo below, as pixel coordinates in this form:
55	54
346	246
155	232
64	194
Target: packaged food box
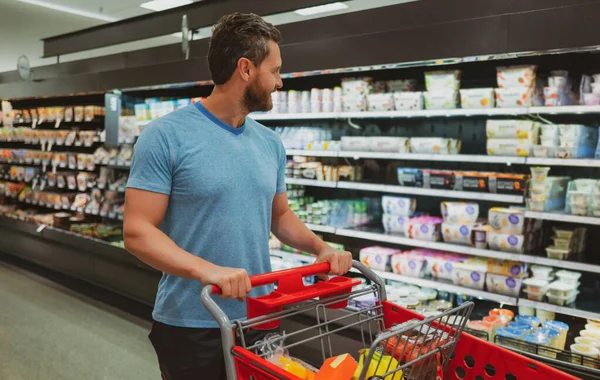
408	101
408	264
438	100
505	183
354	103
357	86
469	275
441	265
400	206
393	224
507	268
356	143
522	76
477	98
381	102
389	144
511	129
506	220
438	179
402	85
509	147
410	177
442	80
507	285
472	181
460	212
426	228
458	233
514	97
435	145
378	258
505	242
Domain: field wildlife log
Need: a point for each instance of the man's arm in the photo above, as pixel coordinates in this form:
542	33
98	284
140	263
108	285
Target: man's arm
291	231
144	212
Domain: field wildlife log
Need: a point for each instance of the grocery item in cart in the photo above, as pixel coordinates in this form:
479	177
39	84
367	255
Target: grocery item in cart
341	367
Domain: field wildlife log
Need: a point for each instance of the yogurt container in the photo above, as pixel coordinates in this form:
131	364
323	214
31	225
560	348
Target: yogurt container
504	313
541	272
481	326
588	352
530	320
595	334
545	315
525	328
587	341
552	334
568	276
507	332
540	340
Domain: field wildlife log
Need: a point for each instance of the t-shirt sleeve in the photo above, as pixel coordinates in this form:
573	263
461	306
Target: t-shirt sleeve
153	161
281	174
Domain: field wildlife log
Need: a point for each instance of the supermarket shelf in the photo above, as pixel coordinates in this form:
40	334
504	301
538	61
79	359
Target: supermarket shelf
311	153
320	228
431	192
310	182
460	112
439	286
560	309
561	217
563	162
401	240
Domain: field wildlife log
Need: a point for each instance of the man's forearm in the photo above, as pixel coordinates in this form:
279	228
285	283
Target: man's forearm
153	247
291	231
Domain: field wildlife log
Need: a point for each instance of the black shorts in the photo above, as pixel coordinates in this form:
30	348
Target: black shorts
192	353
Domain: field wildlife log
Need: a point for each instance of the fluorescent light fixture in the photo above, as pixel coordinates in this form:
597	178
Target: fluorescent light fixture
161	5
74	11
321	9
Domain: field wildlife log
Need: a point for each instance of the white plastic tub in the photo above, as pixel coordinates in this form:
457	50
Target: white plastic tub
586	351
561	289
541	272
536	285
568	276
557	253
510	286
562	301
534	296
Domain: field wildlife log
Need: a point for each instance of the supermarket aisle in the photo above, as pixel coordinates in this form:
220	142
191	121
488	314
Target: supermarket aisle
50	332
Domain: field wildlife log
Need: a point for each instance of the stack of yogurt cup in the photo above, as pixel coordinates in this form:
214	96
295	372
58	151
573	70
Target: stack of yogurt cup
587	345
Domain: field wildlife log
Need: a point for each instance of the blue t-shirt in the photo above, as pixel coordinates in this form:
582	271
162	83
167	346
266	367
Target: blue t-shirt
221	182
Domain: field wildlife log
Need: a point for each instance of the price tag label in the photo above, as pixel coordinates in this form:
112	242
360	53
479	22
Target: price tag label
57	124
34	123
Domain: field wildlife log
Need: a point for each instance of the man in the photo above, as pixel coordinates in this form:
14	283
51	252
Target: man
206	187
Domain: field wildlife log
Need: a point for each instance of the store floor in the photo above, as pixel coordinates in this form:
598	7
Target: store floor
48	331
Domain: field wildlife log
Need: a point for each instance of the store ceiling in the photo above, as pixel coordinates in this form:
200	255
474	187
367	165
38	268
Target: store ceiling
23	24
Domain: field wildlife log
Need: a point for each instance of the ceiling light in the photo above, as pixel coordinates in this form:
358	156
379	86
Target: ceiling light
321	9
74	11
161	5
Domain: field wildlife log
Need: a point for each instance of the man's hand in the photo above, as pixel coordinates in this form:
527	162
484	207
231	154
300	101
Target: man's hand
233	282
340	261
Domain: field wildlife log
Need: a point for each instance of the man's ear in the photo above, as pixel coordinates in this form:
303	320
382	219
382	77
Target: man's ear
245	69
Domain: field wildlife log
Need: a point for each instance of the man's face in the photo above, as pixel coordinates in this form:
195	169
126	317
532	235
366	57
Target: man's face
257	96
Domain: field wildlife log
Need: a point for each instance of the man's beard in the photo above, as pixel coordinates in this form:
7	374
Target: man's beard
257	98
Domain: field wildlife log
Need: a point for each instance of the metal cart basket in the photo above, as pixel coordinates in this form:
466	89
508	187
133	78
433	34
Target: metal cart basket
397	343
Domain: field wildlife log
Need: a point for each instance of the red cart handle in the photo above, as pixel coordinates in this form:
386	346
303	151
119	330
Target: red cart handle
282	275
291	290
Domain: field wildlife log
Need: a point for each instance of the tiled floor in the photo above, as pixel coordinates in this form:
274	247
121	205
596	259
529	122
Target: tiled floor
48	332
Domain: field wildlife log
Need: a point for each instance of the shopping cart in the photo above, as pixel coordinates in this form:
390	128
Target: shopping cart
399	344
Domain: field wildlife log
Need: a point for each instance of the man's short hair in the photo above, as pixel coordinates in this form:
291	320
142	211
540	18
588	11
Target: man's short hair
238	35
